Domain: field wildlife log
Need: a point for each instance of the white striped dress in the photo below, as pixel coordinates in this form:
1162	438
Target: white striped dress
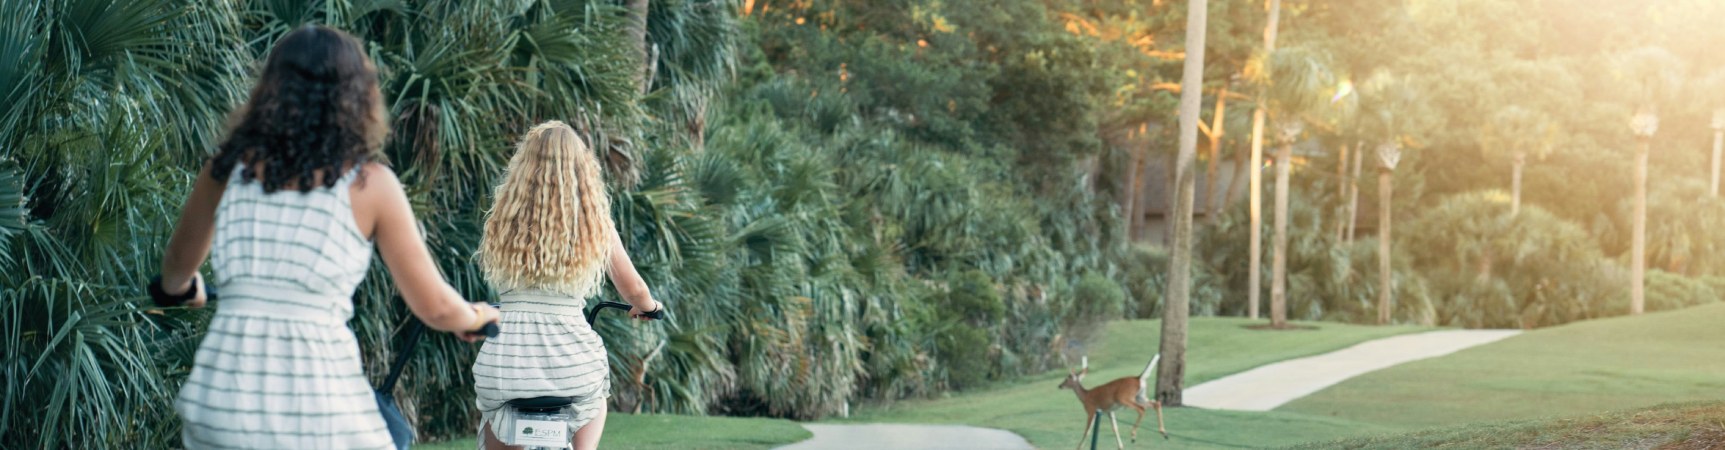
545	349
279	368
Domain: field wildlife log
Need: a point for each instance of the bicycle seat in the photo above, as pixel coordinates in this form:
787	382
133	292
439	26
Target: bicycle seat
541	404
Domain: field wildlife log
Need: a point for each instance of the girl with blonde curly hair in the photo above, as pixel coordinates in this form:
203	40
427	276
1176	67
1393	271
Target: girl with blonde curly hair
548	242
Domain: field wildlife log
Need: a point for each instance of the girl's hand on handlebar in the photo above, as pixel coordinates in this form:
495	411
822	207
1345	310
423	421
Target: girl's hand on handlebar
657	312
200	297
484	316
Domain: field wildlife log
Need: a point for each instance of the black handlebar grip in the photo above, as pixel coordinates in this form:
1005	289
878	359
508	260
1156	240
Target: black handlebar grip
161	298
490	330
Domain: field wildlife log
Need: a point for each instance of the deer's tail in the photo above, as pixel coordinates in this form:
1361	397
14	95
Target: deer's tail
1144	378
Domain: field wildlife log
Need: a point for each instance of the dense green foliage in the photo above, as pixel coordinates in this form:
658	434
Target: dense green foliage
821	242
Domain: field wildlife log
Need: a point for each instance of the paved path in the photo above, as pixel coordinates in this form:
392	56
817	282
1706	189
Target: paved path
1260	389
908	437
1270	386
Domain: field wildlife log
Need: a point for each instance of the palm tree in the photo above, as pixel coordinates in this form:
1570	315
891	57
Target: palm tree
1712	88
102	104
1653	75
1256	251
1393	113
1170	378
1521	132
1298	81
1389	154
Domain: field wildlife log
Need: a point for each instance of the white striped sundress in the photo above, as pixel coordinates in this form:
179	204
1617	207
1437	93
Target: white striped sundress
279	368
545	349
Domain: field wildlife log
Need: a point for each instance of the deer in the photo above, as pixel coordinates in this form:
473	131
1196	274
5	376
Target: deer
1129	392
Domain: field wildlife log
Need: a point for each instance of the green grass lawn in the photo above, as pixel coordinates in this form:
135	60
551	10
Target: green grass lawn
627	431
1052	418
1582	368
1678	426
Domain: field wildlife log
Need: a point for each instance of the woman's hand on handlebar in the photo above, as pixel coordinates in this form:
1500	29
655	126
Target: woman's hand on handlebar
657	311
484	323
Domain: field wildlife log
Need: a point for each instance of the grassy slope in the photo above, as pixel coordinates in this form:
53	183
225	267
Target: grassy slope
626	431
1582	368
1051	418
1680	426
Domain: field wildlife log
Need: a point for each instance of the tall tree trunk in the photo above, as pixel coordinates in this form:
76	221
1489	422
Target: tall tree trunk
1638	251
1519	160
1170	379
1142	203
1341	192
1130	205
1718	144
1354	191
637	29
1254	278
1236	182
1386	296
1171	188
1279	256
1216	132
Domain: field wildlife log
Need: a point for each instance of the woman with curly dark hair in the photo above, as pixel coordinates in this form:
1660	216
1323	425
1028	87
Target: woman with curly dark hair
292	204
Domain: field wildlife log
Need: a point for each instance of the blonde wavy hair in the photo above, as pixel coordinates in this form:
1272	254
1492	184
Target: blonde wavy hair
550	226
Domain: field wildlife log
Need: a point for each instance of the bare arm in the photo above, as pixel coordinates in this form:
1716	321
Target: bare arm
628	282
192	237
381	206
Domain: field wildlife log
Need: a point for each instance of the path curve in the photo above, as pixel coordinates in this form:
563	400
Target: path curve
1269	386
908	437
1260	389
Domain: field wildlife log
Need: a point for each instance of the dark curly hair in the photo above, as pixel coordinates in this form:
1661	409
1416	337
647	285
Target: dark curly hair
315	110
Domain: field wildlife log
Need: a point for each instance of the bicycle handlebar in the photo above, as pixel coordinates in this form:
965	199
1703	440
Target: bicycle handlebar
593	314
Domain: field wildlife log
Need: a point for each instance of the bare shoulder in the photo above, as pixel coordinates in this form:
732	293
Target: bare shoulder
375	180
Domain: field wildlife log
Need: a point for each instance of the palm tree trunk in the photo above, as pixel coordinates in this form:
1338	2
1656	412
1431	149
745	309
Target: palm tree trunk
1170	379
1341	192
1386	298
1235	182
1718	144
1354	191
1216	132
1129	206
1515	184
1254	278
637	29
1638	251
1279	258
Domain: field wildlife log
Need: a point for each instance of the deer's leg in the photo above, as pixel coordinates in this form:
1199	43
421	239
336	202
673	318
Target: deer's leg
1140	409
1086	433
1159	425
1116	425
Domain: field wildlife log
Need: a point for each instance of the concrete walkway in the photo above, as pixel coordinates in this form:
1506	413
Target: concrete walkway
1260	389
908	437
1267	387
